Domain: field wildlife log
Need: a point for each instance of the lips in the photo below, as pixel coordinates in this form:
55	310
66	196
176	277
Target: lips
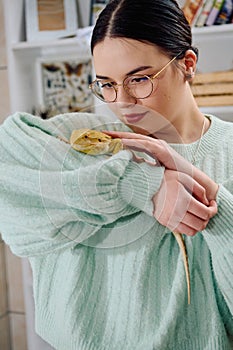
134	117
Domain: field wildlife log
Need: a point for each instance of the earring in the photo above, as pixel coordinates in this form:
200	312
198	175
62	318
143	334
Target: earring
190	74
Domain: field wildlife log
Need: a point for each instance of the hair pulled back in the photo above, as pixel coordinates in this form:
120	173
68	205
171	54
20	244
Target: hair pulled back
158	22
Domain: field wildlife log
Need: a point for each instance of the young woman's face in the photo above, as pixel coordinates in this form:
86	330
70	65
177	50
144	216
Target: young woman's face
116	58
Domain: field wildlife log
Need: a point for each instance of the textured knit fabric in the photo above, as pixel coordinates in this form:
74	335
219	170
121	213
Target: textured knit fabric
107	275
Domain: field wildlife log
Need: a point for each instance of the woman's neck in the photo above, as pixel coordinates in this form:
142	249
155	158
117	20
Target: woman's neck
181	128
184	130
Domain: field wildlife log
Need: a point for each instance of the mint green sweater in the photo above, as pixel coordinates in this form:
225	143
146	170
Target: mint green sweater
107	275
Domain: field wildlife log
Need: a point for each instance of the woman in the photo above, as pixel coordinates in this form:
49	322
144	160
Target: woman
97	231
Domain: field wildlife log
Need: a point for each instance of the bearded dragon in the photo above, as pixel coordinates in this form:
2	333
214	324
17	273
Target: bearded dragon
95	142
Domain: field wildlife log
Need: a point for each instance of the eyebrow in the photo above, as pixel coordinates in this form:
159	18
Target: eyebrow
134	71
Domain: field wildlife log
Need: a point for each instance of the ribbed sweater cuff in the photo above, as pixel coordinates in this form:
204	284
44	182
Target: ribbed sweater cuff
140	182
219	234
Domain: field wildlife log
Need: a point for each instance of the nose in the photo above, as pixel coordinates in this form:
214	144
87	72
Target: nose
123	98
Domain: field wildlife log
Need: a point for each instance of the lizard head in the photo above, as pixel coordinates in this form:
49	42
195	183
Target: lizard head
94	142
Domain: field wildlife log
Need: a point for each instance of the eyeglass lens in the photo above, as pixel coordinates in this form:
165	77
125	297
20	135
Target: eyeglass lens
137	86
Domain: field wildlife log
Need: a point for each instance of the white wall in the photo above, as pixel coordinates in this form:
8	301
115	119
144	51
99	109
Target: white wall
83	12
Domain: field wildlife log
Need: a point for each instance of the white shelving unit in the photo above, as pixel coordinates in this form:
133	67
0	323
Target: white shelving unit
22	55
215	45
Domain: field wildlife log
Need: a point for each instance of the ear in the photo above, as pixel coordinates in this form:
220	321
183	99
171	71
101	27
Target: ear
190	61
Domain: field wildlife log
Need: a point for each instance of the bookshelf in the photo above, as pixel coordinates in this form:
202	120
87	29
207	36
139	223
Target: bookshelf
22	55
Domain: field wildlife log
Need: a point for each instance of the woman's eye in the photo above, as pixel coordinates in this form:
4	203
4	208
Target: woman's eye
138	79
106	85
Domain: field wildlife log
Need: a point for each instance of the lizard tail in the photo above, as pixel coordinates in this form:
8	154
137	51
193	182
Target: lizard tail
180	240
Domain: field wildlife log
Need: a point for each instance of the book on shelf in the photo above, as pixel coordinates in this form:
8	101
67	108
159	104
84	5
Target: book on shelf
205	11
225	13
191	9
197	14
213	89
214	12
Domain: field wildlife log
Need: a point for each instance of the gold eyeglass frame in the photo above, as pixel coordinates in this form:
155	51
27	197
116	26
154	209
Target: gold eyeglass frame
151	78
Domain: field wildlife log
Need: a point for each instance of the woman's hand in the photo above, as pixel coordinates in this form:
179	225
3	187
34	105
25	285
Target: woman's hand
163	153
181	204
185	201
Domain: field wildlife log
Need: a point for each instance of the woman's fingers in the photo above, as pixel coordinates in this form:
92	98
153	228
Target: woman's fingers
193	187
165	155
125	135
195	223
191	224
202	211
158	149
142	143
176	207
138	142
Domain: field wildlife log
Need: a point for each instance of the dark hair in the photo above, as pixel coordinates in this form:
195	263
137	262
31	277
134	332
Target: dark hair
159	22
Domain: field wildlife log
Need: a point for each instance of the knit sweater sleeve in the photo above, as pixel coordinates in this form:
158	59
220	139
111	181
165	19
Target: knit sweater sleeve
52	196
219	237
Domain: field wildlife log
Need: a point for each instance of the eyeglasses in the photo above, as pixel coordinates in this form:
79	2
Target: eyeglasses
139	86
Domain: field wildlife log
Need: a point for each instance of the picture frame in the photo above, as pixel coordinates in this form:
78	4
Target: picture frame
96	7
63	84
50	19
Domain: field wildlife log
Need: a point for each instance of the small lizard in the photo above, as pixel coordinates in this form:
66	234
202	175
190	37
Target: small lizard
95	142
